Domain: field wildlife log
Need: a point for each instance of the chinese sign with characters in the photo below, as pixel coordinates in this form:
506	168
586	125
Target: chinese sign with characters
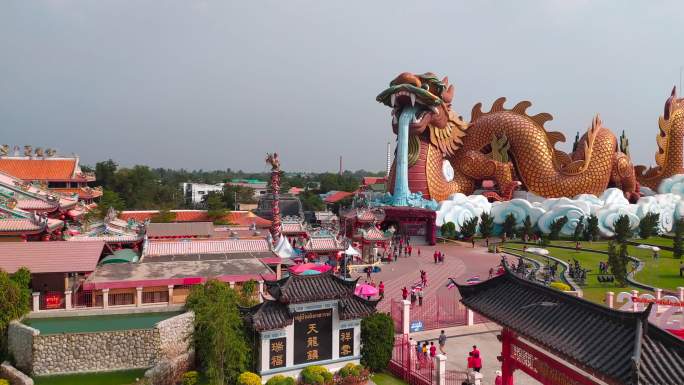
277	353
312	336
346	342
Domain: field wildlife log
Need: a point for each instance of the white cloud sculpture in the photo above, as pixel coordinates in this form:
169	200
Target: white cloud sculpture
459	208
608	207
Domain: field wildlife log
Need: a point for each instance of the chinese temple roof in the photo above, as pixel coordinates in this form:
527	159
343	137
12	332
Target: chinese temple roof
240	218
110	230
616	346
50	257
309	288
365	215
44	169
374	234
323	241
188	229
155	247
31	196
293	226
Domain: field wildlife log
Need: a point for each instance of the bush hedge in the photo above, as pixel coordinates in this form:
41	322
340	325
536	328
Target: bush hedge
279	379
316	375
248	378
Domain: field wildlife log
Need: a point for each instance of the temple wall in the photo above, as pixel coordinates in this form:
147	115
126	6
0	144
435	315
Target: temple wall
61	353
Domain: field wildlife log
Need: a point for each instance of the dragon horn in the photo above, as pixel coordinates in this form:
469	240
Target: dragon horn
674	91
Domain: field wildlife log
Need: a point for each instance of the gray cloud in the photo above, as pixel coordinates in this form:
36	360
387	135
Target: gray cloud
217	84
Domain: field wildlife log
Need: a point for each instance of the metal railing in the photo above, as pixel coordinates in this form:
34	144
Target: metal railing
155	297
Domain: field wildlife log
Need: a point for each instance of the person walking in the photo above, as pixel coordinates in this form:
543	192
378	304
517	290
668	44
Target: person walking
404	293
420	297
413	297
433	349
368	272
435	256
499	379
472	240
381	290
471	363
477	361
425	350
410	249
442	342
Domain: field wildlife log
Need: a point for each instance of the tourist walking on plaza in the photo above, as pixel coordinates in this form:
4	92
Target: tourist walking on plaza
477	361
498	380
404	293
436	256
381	290
409	249
472	240
433	349
442	342
420	297
413	297
368	272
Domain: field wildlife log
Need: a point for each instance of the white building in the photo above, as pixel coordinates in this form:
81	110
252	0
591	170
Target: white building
194	193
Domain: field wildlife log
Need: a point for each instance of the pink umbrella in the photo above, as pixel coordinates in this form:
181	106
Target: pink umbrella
298	269
302	267
365	290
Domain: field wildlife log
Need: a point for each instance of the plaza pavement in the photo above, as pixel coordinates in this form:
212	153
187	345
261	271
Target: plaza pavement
461	262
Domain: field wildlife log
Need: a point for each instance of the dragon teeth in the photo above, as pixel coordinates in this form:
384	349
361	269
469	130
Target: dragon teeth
393	98
413	99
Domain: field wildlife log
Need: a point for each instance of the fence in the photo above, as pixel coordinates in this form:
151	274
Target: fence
435	313
155	296
86	298
413	367
118	299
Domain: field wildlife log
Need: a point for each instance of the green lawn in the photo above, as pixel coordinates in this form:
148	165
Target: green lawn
97	323
657	241
123	377
594	290
385	378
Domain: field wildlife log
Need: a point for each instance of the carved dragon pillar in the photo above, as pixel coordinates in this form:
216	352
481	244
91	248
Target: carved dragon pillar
275	230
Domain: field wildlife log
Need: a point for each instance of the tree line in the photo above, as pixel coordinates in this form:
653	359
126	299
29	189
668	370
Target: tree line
144	188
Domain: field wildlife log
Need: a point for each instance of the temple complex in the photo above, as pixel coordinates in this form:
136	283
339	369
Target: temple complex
59	174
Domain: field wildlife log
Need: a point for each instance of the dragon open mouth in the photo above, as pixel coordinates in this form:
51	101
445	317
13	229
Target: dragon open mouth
398	96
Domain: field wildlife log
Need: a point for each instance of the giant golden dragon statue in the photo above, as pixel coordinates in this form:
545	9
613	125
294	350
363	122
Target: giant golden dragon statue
439	153
670	140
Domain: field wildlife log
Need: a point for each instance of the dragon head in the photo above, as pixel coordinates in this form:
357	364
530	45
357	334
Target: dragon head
431	95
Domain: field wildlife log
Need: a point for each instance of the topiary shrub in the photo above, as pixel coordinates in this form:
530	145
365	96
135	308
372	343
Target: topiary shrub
190	378
316	375
350	370
560	286
377	339
279	379
248	378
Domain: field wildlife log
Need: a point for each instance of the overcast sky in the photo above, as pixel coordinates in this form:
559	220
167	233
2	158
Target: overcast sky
216	85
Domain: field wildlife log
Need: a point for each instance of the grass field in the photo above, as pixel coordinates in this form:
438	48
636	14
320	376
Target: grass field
663	272
97	323
387	379
123	377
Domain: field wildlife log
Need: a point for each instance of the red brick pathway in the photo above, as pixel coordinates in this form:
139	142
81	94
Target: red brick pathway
460	262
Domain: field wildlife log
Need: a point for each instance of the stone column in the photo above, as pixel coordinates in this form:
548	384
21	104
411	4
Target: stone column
36	301
138	296
105	298
635	305
67	300
659	296
680	290
470	317
406	317
261	291
610	299
170	287
440	361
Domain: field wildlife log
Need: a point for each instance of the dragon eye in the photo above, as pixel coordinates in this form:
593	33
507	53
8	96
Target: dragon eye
426	86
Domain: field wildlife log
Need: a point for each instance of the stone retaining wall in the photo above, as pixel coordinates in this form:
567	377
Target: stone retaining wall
93	352
169	371
99	351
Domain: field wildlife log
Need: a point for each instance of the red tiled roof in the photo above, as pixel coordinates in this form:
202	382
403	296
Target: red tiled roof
241	218
50	257
293	228
374	234
36	204
159	247
39	169
369	180
18	225
323	244
337	196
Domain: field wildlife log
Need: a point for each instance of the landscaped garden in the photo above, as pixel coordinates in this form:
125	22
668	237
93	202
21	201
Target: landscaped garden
662	272
123	377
